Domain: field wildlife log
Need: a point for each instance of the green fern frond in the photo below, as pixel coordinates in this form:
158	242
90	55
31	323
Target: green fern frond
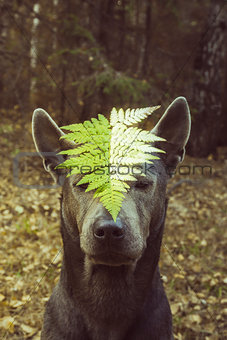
103	147
80	149
96	132
132	146
130	117
111	195
98	182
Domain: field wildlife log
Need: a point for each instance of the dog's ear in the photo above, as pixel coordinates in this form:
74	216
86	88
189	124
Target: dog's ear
46	134
174	126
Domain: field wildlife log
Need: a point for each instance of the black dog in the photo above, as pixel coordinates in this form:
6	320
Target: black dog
110	286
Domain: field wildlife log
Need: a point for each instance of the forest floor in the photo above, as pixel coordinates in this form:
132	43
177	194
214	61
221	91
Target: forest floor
193	252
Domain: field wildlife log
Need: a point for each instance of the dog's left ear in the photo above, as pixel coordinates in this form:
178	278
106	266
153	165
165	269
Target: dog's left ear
175	127
46	136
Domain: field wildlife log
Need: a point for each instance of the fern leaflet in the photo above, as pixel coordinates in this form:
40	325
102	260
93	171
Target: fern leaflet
103	147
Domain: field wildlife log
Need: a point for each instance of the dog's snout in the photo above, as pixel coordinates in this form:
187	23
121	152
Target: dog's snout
109	230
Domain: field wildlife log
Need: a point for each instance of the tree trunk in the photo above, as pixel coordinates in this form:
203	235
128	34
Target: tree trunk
148	32
208	89
223	127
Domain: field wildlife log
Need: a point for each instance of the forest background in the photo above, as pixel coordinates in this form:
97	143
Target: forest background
80	58
76	59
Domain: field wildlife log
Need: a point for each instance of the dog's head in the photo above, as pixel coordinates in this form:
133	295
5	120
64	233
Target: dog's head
102	240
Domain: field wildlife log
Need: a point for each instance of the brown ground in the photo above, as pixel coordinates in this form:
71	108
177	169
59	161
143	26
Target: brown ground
193	252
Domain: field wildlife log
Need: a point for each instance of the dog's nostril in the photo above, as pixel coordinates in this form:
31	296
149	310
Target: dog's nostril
117	233
108	231
99	233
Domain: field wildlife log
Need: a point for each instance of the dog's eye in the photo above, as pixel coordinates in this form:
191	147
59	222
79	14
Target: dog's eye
81	186
141	185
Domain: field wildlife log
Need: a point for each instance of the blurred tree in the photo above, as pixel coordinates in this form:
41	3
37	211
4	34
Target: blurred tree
208	92
14	55
77	59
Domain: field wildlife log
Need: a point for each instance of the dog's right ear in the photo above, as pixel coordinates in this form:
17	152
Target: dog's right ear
175	127
46	134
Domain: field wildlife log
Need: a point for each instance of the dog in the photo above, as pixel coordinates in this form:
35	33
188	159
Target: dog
110	286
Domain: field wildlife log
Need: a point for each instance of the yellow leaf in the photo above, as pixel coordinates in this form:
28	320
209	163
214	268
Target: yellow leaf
179	276
196	268
28	329
7	323
180	257
194	318
203	243
224	311
16	303
175	307
2	297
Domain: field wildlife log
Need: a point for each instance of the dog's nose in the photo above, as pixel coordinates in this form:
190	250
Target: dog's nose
108	229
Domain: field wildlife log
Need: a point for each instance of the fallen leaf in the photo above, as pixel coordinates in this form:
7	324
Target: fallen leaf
224	311
196	268
223	301
203	243
2	297
28	329
7	322
180	257
175	307
19	209
15	303
194	318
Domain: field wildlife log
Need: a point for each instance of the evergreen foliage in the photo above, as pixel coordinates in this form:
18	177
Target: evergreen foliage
112	84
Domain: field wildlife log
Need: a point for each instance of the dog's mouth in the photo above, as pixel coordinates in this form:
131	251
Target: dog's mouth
111	259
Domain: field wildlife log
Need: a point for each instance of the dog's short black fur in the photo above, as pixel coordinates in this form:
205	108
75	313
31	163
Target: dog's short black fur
110	287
